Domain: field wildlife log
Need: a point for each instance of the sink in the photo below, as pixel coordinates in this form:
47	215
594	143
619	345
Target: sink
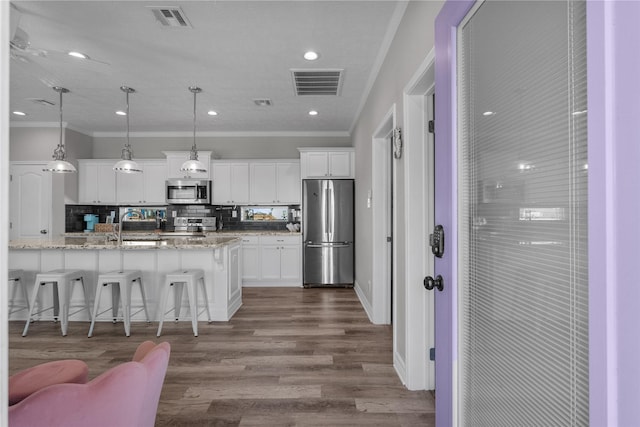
75	240
153	243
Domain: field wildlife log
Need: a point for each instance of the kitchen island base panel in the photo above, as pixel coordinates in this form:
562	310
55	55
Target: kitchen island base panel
221	267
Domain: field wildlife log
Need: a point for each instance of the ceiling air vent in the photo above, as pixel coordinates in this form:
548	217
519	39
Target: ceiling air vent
263	102
172	16
317	82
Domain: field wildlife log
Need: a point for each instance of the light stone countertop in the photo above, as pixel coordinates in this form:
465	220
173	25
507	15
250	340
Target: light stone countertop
102	241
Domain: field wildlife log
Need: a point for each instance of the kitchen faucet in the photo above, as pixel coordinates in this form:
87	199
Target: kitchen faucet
117	228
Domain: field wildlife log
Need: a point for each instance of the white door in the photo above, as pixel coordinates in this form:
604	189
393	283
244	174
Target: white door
30	201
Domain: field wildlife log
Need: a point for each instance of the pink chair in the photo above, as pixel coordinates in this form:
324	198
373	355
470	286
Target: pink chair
126	395
156	360
28	381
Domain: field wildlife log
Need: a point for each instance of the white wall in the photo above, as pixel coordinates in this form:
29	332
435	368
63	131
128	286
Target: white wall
413	41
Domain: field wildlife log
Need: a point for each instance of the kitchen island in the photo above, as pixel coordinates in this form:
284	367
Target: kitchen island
154	255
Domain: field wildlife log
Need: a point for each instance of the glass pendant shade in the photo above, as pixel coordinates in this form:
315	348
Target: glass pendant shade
59	164
193	164
127	164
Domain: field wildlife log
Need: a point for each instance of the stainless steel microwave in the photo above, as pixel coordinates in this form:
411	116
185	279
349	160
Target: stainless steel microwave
188	191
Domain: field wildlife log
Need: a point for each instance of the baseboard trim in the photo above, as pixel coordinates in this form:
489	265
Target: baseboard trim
365	303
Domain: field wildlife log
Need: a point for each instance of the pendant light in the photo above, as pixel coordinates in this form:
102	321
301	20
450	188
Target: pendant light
193	164
59	163
127	165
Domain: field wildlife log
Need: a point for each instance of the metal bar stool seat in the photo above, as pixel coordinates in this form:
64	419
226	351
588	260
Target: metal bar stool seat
63	282
122	281
15	278
177	280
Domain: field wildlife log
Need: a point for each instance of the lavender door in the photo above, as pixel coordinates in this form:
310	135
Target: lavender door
511	194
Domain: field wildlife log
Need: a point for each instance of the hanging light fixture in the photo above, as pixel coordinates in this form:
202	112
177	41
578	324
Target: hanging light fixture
193	164
59	163
127	165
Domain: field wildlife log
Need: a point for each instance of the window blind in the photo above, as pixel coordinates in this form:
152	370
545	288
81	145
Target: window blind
523	335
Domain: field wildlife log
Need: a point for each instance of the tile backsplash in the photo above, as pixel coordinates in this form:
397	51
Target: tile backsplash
74	217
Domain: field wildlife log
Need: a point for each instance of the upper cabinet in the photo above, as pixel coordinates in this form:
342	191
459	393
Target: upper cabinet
335	162
243	182
230	183
143	188
97	182
275	182
175	159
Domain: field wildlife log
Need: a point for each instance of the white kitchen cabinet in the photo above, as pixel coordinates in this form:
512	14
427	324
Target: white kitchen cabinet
143	188
96	182
281	258
230	183
155	176
272	260
175	159
288	182
263	183
275	183
250	258
327	163
130	187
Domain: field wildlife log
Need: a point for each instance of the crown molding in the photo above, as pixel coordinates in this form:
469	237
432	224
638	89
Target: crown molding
55	125
221	134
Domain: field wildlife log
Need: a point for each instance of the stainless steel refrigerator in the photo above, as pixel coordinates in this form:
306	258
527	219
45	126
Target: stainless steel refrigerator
327	232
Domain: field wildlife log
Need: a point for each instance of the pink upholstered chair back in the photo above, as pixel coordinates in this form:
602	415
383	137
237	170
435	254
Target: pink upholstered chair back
114	398
124	396
156	362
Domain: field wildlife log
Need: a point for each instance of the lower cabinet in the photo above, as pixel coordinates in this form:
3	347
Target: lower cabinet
272	260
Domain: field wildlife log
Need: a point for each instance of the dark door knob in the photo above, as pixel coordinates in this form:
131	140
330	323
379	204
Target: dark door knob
430	283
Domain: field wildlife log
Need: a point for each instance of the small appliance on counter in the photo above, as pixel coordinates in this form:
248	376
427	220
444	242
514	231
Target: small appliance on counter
195	224
91	221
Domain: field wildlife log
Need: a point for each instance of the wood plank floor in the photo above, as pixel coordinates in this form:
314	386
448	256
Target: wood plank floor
289	357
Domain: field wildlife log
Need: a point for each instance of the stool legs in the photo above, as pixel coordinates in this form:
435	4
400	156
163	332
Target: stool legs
192	295
62	292
16	278
122	282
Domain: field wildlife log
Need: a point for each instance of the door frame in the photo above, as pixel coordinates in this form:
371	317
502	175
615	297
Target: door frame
382	204
419	371
612	34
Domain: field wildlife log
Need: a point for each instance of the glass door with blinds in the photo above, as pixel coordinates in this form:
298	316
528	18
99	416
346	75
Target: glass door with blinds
522	212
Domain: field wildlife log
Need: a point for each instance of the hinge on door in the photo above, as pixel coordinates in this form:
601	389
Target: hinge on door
10	225
10	178
432	354
432	126
389	239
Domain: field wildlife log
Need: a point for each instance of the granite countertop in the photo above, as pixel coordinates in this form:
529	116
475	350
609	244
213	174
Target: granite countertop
142	241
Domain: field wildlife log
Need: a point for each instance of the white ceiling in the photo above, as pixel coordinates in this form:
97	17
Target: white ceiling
236	51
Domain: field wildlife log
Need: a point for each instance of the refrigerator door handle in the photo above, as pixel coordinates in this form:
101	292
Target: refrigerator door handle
327	245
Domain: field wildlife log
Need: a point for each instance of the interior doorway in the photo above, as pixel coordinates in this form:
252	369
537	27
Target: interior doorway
413	362
382	219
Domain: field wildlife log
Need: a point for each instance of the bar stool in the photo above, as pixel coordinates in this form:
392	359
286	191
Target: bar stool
15	278
63	282
177	280
122	281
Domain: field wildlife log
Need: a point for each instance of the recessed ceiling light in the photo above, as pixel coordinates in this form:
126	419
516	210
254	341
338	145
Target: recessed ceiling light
19	113
212	113
488	113
310	55
121	113
78	55
313	113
